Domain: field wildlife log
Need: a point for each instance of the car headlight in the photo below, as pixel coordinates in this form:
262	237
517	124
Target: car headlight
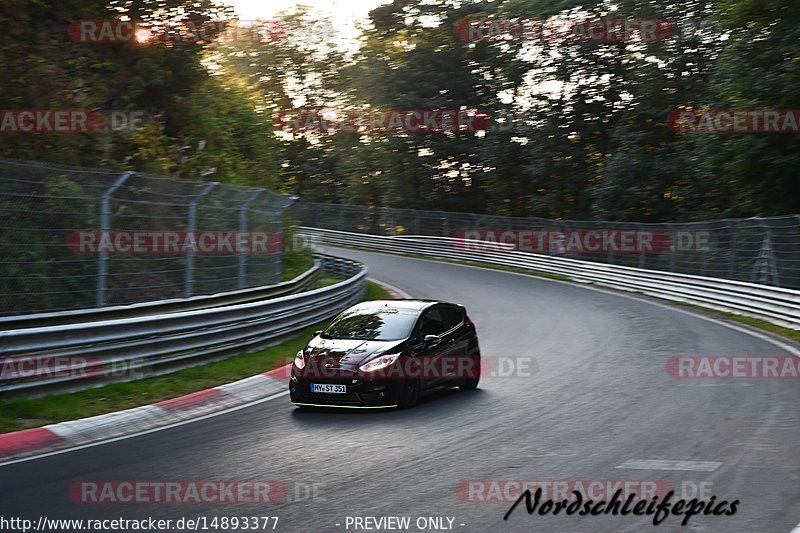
379	363
299	360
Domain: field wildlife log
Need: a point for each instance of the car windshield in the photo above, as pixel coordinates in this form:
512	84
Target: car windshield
375	324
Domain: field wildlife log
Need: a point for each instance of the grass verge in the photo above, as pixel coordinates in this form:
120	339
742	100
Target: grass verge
23	413
749	321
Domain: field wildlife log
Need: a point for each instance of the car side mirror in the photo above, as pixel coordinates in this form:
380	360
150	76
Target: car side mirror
431	341
318	333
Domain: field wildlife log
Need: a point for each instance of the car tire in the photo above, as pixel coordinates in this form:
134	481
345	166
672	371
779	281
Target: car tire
409	394
469	384
472	383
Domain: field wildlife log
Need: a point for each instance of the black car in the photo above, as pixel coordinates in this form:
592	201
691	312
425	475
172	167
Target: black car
386	353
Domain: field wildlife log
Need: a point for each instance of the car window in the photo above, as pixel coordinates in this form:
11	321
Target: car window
381	324
433	322
455	315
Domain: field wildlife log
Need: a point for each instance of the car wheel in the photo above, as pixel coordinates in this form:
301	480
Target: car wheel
472	383
409	394
469	384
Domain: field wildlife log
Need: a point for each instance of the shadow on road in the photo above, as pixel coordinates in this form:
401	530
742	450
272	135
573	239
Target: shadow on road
434	403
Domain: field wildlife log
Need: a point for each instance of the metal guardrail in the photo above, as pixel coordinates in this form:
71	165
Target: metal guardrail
91	353
774	304
763	250
304	281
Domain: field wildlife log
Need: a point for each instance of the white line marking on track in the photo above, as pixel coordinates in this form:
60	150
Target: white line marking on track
123	437
663	464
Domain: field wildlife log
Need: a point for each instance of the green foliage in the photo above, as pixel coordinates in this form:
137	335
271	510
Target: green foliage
586	134
197	124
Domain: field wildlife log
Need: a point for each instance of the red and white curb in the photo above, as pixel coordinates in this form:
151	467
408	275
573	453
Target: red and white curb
139	419
85	431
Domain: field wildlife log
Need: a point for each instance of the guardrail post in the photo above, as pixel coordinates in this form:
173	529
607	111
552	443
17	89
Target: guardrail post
191	226
242	228
732	261
642	255
105	223
277	256
610	254
381	221
703	261
766	258
673	249
391	224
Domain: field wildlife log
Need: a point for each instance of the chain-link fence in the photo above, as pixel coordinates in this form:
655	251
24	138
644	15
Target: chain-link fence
74	238
761	250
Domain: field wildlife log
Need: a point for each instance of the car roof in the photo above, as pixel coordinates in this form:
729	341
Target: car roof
404	303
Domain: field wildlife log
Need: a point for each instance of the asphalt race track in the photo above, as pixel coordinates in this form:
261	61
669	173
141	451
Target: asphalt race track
597	396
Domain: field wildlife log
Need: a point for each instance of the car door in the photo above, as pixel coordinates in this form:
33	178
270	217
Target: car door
434	322
458	338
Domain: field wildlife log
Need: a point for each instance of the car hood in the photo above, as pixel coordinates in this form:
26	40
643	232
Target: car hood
347	352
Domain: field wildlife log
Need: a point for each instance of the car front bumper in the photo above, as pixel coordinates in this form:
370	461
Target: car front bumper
361	392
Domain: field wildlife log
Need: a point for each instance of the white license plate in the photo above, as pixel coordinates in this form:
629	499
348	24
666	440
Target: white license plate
328	389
